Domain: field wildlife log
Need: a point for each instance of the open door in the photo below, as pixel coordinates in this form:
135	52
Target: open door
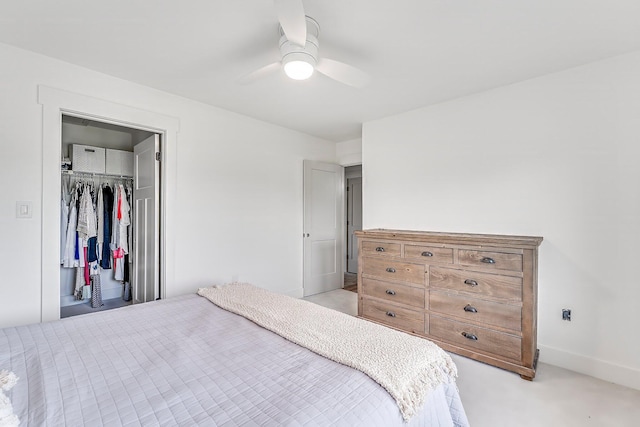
146	245
323	227
354	221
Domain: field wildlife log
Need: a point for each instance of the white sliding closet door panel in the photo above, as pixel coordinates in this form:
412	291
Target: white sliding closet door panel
146	247
323	229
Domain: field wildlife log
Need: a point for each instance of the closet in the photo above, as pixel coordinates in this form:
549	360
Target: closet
109	216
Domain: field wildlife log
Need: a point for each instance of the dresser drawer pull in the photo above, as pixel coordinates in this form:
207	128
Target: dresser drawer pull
379	249
426	253
391	292
470	336
470	309
391	270
488	260
391	314
470	282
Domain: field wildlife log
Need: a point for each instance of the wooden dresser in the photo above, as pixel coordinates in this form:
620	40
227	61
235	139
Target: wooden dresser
472	294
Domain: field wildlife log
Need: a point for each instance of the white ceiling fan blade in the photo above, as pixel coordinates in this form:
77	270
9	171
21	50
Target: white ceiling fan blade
292	20
259	73
343	73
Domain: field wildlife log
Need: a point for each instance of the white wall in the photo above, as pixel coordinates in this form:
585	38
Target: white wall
237	210
558	157
349	153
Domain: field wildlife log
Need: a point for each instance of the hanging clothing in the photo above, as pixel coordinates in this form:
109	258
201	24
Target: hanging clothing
92	246
105	261
115	222
78	245
64	220
125	221
87	226
100	218
96	292
80	251
126	268
118	265
69	259
79	280
119	245
87	276
126	295
95	234
94	268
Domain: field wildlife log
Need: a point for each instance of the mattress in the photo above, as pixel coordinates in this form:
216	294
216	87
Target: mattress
185	361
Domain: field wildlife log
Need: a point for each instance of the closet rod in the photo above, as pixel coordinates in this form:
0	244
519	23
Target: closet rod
94	174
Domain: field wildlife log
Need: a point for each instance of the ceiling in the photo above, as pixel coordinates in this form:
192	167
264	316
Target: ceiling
417	52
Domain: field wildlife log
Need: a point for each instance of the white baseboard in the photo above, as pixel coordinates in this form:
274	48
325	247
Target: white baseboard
607	371
295	292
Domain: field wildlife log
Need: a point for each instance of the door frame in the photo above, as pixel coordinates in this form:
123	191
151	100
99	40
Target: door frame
56	102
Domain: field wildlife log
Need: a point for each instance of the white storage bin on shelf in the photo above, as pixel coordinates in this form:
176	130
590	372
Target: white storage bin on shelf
119	162
85	158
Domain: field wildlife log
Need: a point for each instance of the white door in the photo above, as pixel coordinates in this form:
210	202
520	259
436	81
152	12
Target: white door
354	221
146	248
323	229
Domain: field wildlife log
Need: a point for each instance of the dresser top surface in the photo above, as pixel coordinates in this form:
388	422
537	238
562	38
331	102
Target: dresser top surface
452	238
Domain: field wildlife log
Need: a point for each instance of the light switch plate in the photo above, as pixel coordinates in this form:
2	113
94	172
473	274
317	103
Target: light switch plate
24	209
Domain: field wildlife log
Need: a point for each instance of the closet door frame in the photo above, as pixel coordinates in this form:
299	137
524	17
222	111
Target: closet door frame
56	103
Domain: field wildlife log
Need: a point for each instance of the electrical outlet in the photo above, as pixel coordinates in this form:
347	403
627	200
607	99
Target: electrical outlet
566	314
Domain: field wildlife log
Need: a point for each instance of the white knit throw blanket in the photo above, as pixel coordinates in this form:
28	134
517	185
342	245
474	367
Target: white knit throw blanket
7	417
408	367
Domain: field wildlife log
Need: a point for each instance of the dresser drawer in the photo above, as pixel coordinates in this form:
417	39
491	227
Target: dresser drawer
503	346
398	317
393	270
394	292
492	260
429	253
472	309
490	285
380	248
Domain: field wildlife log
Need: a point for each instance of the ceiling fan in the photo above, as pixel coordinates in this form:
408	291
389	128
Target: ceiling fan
299	50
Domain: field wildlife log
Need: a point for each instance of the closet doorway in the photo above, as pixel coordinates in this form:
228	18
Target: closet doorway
110	187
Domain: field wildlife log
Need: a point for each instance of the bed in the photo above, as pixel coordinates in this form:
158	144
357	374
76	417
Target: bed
186	361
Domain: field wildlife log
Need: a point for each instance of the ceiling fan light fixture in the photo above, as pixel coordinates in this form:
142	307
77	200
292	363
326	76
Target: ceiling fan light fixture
298	65
298	70
299	58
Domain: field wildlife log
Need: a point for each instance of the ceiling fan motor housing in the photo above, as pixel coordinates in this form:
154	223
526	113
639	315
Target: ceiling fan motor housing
307	53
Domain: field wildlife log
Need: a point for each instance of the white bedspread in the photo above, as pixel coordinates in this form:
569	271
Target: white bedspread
184	361
407	367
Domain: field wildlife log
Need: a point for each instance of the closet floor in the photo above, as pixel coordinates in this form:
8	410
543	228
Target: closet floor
85	308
